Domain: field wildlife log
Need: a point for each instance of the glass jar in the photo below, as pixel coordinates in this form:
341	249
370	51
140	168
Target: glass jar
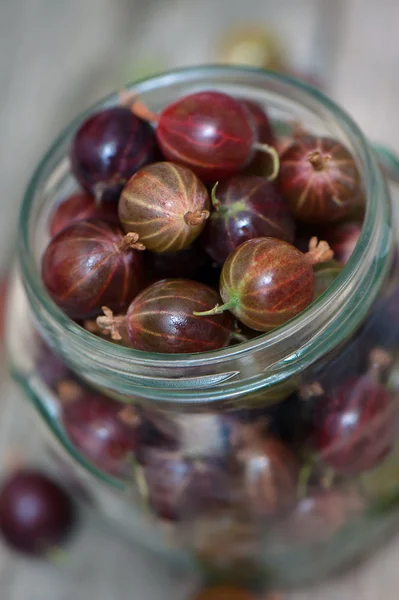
214	463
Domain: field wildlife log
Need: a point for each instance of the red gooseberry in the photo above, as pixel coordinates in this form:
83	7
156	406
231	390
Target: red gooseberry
266	281
161	319
78	207
210	132
90	263
319	178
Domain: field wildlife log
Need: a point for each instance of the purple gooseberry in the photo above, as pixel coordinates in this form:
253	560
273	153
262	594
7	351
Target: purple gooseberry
270	469
36	515
354	426
104	431
178	486
108	148
343	239
183	264
246	207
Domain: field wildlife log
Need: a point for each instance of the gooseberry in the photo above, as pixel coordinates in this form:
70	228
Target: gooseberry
246	207
91	263
36	515
108	148
177	485
78	207
343	239
161	319
166	204
319	178
210	132
270	470
266	281
50	367
102	432
354	427
321	514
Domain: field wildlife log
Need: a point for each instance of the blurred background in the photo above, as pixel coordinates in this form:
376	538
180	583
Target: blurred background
57	58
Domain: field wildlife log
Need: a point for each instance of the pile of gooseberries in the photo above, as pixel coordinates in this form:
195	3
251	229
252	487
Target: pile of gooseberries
166	197
190	229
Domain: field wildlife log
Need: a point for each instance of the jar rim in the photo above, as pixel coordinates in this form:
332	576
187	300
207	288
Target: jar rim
372	182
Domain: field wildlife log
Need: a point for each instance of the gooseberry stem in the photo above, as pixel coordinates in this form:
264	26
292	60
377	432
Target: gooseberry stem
318	160
217	205
319	252
139	109
274	156
130	242
195	218
68	391
216	310
379	362
109	324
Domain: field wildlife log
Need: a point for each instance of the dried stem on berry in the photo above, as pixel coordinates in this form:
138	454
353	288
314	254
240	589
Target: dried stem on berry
68	391
318	160
274	156
130	242
319	252
197	217
109	324
129	416
139	109
379	360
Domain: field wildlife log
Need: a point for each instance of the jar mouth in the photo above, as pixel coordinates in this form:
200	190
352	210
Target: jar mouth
375	212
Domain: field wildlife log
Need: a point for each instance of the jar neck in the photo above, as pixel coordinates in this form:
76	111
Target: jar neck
266	361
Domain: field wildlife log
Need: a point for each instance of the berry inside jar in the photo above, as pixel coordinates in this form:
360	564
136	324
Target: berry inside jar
208	227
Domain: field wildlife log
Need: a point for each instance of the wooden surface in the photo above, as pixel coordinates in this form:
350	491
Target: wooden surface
56	58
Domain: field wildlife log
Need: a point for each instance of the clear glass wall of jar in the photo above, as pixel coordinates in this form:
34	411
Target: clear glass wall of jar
191	482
